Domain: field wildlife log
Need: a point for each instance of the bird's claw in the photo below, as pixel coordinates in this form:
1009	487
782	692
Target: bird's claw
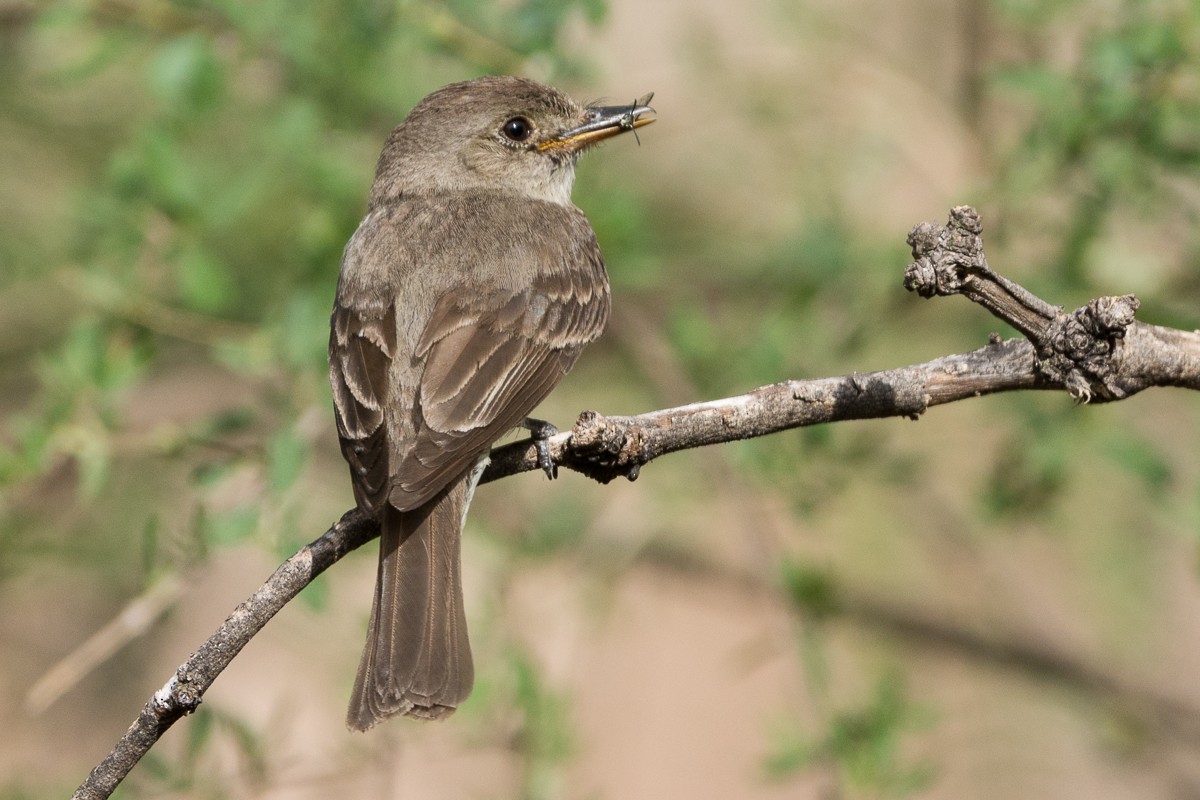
541	431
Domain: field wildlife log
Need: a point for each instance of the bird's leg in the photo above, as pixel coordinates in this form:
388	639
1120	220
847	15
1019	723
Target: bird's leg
541	431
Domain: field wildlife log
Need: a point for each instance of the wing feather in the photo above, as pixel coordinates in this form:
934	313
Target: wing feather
361	350
482	379
489	350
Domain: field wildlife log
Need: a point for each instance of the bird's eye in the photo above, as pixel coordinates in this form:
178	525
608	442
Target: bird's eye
518	129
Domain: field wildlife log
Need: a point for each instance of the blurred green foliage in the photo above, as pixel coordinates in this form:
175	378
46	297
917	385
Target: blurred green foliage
224	185
1113	131
544	738
862	746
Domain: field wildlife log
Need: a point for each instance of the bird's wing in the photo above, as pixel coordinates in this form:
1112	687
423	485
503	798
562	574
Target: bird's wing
489	362
361	347
484	360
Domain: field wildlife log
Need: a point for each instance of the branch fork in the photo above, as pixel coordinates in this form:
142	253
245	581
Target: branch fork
1079	350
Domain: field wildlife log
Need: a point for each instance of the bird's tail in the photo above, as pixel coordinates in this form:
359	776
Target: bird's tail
417	660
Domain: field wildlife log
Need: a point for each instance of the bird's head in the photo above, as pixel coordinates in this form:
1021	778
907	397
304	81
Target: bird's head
497	133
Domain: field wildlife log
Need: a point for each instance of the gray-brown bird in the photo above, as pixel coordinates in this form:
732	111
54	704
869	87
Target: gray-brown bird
465	295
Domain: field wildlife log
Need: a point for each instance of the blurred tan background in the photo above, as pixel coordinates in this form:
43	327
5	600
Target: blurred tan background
998	601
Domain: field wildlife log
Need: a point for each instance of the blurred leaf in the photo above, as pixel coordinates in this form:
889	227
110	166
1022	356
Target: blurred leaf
155	766
92	454
186	74
286	454
229	527
249	745
31	451
151	544
209	474
155	168
544	736
863	744
62	23
1049	88
621	220
199	735
1141	459
1034	465
316	595
557	526
1035	13
304	331
79	361
814	591
204	282
225	423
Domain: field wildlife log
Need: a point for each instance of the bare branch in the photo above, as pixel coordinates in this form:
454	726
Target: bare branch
181	695
607	447
1096	353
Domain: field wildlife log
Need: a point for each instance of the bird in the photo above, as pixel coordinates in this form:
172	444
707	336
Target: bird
466	293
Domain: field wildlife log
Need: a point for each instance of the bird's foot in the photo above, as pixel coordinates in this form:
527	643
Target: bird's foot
541	431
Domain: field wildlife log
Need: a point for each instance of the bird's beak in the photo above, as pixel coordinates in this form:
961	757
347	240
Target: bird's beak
602	122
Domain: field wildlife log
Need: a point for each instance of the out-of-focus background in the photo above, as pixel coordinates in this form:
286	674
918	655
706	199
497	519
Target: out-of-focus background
1001	600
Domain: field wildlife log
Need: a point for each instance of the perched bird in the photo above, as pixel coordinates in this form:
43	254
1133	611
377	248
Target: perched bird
465	295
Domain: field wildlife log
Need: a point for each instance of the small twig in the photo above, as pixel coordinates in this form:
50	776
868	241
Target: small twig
178	323
950	260
1098	352
135	619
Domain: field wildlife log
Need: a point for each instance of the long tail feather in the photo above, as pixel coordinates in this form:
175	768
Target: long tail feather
417	660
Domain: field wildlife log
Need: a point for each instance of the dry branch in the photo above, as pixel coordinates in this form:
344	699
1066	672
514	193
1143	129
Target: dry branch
1096	353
